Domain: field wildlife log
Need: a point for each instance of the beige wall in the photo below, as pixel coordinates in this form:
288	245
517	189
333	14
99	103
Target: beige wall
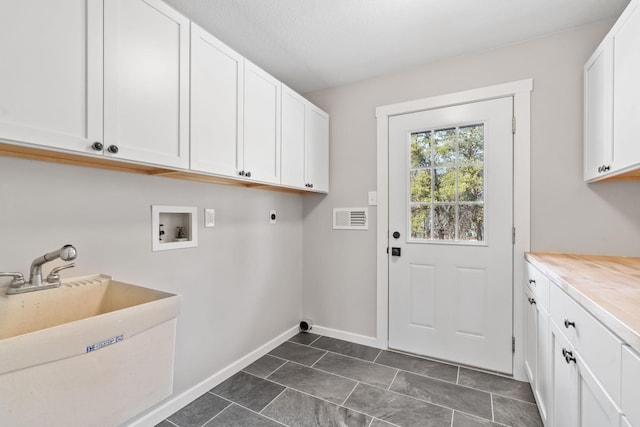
567	215
240	286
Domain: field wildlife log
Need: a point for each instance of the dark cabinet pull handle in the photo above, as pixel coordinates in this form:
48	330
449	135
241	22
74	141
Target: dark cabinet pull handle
241	173
97	146
532	282
568	356
531	301
113	149
248	174
567	323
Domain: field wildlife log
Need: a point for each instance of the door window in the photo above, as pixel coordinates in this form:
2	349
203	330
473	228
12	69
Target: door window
446	184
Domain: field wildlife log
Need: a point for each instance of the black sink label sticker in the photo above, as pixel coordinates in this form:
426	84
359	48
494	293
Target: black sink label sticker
105	343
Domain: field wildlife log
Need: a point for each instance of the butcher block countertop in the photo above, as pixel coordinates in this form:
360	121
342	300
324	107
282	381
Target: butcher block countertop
608	287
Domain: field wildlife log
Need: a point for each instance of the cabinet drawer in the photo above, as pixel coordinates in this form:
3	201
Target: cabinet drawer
630	394
538	284
597	346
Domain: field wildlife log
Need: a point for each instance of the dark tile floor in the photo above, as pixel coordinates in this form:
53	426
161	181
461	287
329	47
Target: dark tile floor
319	381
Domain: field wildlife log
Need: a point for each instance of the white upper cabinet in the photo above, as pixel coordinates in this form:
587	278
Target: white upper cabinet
146	82
260	151
293	139
305	143
626	88
612	90
216	104
598	112
317	149
51	77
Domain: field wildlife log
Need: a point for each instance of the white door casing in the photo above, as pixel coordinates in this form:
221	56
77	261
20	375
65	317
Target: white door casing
521	92
450	207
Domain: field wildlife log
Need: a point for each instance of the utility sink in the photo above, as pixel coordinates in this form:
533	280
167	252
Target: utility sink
94	351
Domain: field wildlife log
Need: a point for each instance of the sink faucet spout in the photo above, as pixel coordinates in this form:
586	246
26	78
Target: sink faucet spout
66	253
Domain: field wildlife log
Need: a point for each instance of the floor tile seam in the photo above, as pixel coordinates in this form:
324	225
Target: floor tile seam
259	377
445	381
319	336
338	375
271	401
355	357
417	373
512	398
248	409
171	422
315	397
458	376
265	377
350	393
394	379
224	409
493	414
417	356
416	398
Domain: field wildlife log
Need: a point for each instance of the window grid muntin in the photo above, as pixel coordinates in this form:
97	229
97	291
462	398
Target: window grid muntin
456	164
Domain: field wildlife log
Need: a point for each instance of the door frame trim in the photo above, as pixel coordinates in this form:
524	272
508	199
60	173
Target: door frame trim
521	92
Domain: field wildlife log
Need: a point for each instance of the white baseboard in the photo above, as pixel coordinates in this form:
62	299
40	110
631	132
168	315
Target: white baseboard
177	402
346	336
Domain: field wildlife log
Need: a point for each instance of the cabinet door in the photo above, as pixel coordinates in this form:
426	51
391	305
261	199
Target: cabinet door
293	138
51	77
317	149
543	362
216	104
598	112
596	409
261	150
530	337
627	88
564	382
146	82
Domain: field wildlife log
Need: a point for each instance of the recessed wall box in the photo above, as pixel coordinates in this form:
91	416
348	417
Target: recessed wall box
179	224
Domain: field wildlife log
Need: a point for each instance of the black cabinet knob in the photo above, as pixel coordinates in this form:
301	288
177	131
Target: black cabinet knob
568	323
532	301
532	282
310	185
568	356
97	146
247	174
113	149
241	173
606	168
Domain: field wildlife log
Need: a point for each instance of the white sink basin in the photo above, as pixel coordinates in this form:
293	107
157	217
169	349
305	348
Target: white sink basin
92	352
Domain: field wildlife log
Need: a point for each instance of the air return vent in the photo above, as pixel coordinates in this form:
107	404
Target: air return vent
350	219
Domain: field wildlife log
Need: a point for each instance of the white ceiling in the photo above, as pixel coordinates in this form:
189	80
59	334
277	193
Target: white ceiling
315	44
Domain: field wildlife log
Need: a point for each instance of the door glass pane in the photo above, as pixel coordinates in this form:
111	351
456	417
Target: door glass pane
421	149
420	185
421	222
444	146
446	184
471	222
470	184
471	143
444	222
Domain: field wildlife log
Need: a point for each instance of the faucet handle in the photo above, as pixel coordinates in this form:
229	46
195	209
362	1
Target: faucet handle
18	279
54	277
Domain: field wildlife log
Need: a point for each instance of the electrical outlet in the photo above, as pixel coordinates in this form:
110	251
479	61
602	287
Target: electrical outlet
373	198
209	217
272	216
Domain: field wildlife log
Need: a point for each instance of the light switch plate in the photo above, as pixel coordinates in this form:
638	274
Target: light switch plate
209	217
373	198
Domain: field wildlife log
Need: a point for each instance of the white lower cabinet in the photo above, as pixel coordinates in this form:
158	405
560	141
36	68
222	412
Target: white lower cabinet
581	374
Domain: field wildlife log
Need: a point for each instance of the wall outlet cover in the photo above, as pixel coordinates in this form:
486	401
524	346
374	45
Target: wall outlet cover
209	217
272	216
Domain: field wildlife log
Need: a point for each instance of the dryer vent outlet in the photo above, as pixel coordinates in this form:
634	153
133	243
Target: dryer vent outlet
306	325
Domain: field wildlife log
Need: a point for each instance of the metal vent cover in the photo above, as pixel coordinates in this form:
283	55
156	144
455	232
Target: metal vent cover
350	218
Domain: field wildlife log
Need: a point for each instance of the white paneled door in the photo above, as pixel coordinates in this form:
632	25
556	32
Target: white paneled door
450	233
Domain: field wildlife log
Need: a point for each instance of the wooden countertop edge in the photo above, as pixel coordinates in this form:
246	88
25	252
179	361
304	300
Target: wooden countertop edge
628	334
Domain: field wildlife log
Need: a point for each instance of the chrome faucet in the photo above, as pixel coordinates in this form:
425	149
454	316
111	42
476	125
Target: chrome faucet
35	282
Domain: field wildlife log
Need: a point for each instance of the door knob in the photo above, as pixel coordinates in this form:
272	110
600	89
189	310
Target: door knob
395	251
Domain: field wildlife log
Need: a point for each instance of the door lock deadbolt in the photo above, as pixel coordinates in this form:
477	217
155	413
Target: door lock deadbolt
396	235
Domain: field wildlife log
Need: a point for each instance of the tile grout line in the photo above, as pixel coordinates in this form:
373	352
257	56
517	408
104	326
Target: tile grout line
453	415
394	378
251	410
493	415
350	393
171	422
377	356
225	408
319	336
458	376
319	359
